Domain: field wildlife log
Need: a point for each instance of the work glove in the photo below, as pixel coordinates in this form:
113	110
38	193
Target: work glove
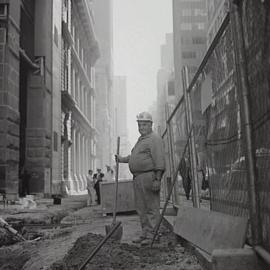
156	185
117	158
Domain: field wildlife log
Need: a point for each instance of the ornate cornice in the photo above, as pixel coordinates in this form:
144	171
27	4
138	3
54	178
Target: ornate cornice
88	24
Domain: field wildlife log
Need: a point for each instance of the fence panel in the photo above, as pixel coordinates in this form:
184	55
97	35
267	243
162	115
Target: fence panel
216	115
216	101
256	25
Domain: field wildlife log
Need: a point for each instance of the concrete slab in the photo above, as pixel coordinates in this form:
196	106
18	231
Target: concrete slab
210	230
204	259
125	201
170	220
234	259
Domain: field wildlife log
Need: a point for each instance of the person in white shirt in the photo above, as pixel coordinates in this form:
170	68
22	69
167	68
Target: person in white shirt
108	174
90	188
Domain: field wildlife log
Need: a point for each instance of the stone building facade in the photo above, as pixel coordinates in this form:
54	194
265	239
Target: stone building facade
45	116
79	53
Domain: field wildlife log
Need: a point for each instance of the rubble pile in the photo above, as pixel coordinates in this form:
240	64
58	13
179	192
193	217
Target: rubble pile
14	257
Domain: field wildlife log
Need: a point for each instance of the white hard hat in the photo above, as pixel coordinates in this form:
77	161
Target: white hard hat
144	116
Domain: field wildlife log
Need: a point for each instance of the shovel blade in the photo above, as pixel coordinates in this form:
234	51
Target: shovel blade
117	235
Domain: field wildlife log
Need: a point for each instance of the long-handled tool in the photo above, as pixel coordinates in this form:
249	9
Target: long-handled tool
100	244
117	235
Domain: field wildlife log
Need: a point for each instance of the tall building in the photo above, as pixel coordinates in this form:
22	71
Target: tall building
104	82
120	121
79	52
165	83
189	28
43	109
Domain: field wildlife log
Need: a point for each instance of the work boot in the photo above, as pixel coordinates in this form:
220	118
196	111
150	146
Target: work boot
138	240
147	241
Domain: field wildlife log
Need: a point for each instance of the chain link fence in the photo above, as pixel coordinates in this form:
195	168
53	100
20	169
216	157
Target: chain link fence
216	96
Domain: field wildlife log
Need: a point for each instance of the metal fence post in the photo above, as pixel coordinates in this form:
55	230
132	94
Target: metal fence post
193	159
171	153
245	114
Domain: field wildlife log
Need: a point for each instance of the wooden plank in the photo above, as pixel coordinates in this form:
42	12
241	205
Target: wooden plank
125	201
210	230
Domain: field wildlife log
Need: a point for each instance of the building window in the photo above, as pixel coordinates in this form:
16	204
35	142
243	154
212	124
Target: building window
76	87
92	78
199	12
200	26
185	40
192	69
73	80
186	26
79	92
186	12
55	141
188	54
198	40
3	10
171	90
55	36
3	35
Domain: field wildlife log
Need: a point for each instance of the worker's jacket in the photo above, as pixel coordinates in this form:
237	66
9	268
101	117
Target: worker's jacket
147	155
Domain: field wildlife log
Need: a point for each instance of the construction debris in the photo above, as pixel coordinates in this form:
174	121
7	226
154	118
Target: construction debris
9	228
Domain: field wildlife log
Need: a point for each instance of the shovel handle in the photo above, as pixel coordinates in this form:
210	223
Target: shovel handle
100	244
116	180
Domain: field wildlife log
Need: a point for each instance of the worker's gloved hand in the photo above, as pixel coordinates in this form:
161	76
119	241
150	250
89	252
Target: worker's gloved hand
156	185
117	158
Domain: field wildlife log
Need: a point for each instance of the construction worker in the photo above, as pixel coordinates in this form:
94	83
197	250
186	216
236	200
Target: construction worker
147	164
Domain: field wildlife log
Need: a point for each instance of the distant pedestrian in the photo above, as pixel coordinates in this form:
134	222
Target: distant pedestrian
112	175
97	186
90	188
185	172
147	164
94	183
98	172
108	174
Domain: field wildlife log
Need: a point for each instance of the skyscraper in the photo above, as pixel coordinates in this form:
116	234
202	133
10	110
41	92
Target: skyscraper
165	82
216	11
189	27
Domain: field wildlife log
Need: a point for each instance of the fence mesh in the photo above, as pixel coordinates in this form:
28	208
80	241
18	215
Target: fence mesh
256	25
217	118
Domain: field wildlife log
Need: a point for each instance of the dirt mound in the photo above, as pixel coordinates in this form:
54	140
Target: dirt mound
118	256
14	257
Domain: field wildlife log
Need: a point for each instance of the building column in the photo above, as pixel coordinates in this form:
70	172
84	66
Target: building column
83	163
75	159
79	170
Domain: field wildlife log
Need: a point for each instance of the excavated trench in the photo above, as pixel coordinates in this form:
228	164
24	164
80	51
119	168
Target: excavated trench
167	254
66	248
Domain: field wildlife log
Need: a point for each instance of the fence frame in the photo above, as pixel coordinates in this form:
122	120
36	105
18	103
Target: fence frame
234	16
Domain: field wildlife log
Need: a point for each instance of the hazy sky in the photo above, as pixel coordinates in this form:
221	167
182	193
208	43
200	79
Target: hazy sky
139	30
